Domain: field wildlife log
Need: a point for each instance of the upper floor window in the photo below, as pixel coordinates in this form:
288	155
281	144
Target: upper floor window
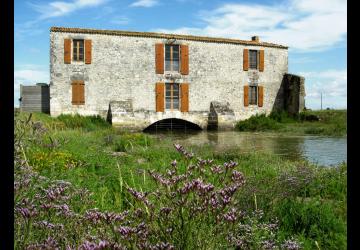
78	50
172	57
253	58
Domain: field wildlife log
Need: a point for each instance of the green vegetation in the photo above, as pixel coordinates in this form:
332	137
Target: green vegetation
280	204
331	123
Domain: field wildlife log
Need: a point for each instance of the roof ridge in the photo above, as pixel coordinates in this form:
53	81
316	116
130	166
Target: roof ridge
164	35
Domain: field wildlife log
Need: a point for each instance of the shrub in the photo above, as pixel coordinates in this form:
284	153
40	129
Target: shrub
314	130
282	116
258	123
86	122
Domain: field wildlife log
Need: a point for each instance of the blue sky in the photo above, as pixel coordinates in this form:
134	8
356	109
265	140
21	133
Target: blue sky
315	31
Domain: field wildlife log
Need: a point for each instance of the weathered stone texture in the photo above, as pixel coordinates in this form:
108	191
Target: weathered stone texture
294	93
123	70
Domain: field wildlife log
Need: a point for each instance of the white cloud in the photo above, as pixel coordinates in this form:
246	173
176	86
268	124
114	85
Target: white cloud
332	84
302	25
28	75
120	20
144	3
58	8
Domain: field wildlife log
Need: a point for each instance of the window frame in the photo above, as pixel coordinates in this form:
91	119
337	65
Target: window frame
171	58
253	51
78	50
256	95
172	83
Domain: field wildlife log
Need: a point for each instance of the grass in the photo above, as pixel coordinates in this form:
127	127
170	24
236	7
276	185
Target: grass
310	202
330	123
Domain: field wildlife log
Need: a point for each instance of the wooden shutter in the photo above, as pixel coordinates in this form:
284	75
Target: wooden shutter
159	58
184	92
78	92
261	60
184	63
160	99
246	95
87	51
67	51
261	96
246	60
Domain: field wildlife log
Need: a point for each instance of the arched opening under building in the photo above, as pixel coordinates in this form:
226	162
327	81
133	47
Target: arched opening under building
172	124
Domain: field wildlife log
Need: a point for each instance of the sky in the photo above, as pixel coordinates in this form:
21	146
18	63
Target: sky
314	30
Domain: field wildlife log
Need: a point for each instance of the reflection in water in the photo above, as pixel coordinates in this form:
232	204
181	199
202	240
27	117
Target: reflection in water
321	150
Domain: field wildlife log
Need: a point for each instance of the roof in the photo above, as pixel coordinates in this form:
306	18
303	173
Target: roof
165	36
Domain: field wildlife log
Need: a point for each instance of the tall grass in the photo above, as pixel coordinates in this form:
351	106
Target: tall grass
298	194
325	122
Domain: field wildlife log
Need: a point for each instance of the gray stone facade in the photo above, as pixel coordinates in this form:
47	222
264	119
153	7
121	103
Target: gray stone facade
121	79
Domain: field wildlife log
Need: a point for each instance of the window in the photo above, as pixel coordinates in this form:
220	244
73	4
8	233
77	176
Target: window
253	95
172	53
172	96
253	58
78	50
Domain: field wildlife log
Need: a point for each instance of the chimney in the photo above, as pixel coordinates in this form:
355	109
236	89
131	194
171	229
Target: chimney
255	39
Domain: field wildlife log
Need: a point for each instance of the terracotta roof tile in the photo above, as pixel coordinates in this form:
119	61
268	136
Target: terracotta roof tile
165	36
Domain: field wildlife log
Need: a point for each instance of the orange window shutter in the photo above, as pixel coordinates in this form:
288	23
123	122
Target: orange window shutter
78	92
246	60
81	92
246	95
160	99
261	61
88	51
261	96
184	92
75	93
159	58
184	55
67	51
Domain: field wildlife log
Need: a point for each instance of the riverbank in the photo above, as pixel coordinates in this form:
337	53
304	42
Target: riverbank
281	202
321	122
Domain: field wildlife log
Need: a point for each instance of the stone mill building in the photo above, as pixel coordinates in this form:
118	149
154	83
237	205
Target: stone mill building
138	79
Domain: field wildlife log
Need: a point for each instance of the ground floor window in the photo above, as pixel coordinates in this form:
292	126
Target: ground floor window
172	96
253	95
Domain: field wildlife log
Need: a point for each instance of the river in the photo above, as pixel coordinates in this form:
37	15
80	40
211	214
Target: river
322	150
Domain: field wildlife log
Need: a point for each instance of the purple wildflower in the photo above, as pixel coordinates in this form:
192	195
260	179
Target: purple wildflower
94	216
165	210
217	169
231	215
139	196
229	165
291	245
27	212
238	177
110	217
126	231
268	244
162	246
182	150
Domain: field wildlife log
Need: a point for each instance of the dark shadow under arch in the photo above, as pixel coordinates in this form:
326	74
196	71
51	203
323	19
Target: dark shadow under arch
172	124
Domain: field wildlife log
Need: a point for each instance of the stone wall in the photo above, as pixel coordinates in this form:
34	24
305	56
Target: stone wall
123	70
294	93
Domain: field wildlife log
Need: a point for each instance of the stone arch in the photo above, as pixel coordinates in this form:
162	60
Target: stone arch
172	124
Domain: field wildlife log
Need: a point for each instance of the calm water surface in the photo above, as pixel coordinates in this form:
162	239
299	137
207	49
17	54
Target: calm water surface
325	151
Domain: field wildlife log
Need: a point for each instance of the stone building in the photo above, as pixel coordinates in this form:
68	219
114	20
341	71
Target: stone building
136	79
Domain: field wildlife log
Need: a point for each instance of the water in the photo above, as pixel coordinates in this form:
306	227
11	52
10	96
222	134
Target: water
324	151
